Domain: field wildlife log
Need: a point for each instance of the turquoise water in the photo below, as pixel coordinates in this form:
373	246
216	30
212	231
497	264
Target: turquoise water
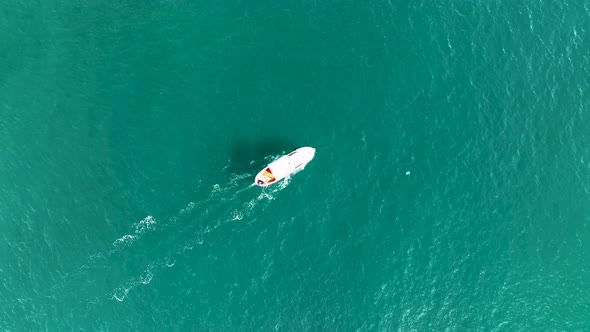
450	188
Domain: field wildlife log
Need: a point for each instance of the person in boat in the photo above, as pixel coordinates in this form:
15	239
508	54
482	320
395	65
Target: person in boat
260	182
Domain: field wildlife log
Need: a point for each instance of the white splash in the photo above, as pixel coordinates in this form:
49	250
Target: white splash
237	215
190	206
147	223
121	293
146	277
124	240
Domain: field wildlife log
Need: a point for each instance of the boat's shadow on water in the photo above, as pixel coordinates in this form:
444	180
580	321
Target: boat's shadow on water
248	156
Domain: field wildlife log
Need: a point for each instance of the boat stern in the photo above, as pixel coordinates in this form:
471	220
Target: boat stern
264	178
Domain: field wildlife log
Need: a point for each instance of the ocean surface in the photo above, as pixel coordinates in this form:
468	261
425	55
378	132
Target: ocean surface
450	189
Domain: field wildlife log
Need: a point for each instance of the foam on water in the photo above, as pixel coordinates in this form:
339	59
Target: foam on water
453	192
126	239
146	224
229	197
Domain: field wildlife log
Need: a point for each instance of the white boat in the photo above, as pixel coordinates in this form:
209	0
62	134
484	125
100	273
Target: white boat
284	166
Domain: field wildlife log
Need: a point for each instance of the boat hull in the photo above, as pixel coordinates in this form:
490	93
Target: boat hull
284	166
